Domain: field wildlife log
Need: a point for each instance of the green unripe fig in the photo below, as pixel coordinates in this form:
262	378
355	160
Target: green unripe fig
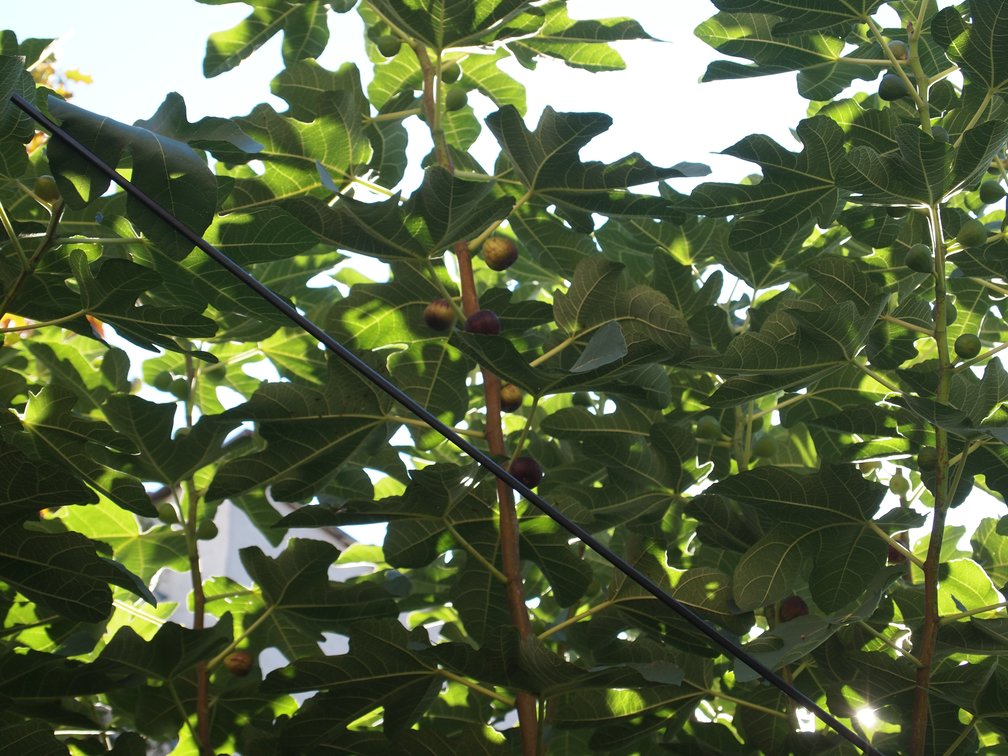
456	99
166	512
451	73
388	45
582	399
951	313
511	397
898	484
708	428
892	87
899	49
179	388
162	381
927	459
46	190
991	191
499	252
967	346
897	211
919	258
940	134
206	530
972	233
765	446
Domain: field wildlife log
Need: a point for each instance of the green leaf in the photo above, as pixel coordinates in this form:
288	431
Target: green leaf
81	444
547	162
442	24
818	56
167	170
309	432
796	188
62	572
443	211
580	43
300	602
16	128
807	511
304	24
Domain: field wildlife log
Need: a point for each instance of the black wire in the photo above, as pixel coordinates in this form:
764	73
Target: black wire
481	457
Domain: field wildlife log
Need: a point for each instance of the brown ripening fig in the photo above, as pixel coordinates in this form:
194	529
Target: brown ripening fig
483	321
511	397
527	470
238	663
499	252
438	315
792	607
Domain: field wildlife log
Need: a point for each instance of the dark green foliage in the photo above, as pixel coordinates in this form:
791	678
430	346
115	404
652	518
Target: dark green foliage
744	389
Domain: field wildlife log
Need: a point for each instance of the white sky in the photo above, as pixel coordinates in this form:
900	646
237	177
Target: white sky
139	50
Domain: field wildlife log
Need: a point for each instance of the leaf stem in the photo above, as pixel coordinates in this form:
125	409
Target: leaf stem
15	241
476	687
475	554
241	636
34	325
576	618
901	651
895	544
477	242
28	267
904	324
949	618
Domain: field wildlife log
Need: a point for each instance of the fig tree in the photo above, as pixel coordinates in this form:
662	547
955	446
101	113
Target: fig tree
972	233
919	258
991	191
179	388
166	512
456	99
967	346
439	314
791	608
927	458
708	428
765	446
483	321
388	45
527	470
499	252
511	397
898	484
162	381
892	87
899	49
451	73
46	190
238	663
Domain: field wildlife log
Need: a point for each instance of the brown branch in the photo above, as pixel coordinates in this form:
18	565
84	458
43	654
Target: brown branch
528	718
924	645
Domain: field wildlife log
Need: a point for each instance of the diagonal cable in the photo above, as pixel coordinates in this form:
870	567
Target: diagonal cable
728	645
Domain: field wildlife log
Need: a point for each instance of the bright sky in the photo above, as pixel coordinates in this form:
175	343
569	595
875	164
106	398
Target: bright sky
139	50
